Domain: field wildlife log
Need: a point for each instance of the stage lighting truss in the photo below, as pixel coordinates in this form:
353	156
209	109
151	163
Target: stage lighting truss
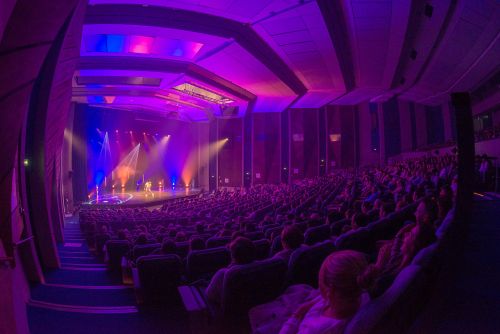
202	93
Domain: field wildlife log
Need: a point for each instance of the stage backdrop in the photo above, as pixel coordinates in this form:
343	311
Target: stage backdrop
126	149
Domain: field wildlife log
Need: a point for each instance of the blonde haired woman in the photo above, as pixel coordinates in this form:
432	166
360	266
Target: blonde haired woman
339	299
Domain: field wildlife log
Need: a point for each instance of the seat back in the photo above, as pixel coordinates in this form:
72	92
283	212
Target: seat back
254	235
252	284
336	227
276	246
316	234
262	248
204	263
115	250
159	276
217	242
143	250
182	248
393	311
356	240
273	231
305	262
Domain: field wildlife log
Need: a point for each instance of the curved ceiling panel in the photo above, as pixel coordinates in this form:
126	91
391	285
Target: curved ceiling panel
277	54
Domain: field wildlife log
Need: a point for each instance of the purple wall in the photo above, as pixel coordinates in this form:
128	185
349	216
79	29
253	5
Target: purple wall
304	149
266	148
230	158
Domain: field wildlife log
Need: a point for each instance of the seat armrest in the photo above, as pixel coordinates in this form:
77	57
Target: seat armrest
197	308
192	299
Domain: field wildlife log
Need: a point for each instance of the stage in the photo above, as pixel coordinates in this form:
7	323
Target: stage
140	198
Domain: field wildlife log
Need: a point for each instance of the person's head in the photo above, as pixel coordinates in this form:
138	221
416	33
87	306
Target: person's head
385	209
366	207
242	250
426	212
237	234
417	238
196	243
141	239
180	237
291	237
338	281
359	220
168	247
122	235
444	205
200	228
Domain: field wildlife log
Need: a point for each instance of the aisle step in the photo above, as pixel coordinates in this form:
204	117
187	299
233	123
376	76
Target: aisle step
93	297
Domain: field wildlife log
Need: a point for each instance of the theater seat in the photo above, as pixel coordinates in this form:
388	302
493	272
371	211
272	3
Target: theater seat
159	277
252	284
395	310
276	246
316	234
143	250
115	250
217	242
204	263
254	235
355	240
336	227
305	263
262	248
182	248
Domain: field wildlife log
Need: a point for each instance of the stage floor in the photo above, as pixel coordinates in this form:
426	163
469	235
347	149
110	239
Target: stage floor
140	198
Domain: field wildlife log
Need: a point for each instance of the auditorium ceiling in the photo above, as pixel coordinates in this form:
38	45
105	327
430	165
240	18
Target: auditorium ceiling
234	56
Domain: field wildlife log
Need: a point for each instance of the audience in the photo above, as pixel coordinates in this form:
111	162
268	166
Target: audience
242	252
291	239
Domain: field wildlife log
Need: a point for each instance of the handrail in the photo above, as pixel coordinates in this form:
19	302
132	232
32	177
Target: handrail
23	241
6	260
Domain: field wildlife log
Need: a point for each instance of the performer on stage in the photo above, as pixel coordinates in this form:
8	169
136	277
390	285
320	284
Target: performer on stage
147	189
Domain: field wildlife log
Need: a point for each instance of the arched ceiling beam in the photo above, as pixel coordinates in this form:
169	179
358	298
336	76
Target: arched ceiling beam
337	28
181	19
164	65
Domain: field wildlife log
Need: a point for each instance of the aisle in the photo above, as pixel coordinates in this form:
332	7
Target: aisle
84	297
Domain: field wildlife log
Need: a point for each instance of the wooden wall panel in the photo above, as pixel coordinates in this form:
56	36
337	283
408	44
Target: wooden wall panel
230	156
266	147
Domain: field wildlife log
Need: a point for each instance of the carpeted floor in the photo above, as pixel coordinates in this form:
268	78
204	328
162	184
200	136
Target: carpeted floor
84	297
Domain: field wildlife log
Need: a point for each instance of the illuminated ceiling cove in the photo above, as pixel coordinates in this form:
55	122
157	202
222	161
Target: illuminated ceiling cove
188	58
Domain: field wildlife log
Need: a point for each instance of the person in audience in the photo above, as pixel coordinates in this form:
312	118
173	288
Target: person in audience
196	243
339	299
180	236
359	220
385	210
242	252
291	239
379	276
226	230
167	247
142	239
200	228
237	234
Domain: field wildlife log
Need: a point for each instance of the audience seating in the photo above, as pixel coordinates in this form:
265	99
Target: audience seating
262	248
115	250
306	261
316	234
252	284
217	242
202	264
142	250
159	276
